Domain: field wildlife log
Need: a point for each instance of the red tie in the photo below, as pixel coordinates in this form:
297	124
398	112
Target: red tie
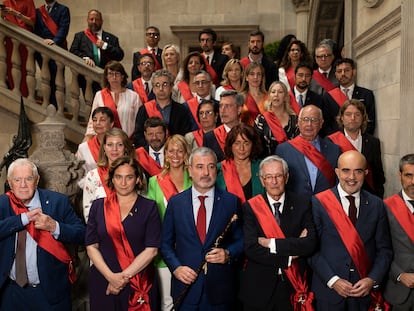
153	51
352	209
201	219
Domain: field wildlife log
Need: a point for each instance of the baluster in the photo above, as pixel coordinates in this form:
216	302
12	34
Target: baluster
45	73
60	88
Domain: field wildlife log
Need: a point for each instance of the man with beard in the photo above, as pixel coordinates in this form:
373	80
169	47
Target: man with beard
95	46
256	54
345	72
215	61
151	156
143	85
194	219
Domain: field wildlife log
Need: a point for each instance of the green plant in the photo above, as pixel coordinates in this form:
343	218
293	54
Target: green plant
271	49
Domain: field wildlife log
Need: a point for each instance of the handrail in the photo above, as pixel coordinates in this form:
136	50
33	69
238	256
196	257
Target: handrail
69	66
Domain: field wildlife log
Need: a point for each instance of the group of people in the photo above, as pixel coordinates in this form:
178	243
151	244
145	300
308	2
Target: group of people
213	182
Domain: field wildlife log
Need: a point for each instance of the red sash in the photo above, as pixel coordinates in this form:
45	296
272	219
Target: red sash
50	23
139	88
103	175
323	81
167	186
185	90
232	180
338	96
94	145
152	110
302	299
228	87
157	63
91	36
352	241
294	103
338	138
140	283
44	239
316	157
275	126
220	134
193	105
245	61
290	75
405	218
199	136
147	162
252	106
214	77
110	103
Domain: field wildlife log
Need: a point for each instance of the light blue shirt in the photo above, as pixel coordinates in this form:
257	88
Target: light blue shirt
312	169
31	245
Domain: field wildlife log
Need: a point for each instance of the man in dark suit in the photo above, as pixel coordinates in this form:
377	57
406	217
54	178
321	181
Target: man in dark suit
142	85
265	284
324	78
311	159
52	24
174	115
256	54
193	222
230	108
354	241
95	46
352	122
399	288
35	274
152	38
345	72
215	61
151	156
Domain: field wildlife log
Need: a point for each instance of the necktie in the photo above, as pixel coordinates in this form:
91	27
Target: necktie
276	206
157	157
96	52
21	270
325	74
153	52
48	7
201	219
146	88
352	209
208	59
301	100
411	202
346	91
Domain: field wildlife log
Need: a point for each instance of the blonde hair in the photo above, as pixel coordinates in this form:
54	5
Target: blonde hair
286	101
181	142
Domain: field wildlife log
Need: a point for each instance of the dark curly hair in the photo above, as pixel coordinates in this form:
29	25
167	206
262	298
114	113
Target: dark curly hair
246	132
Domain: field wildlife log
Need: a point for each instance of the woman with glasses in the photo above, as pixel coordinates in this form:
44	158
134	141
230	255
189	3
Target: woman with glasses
122	237
173	179
115	144
254	91
278	122
123	102
239	172
295	53
207	116
232	77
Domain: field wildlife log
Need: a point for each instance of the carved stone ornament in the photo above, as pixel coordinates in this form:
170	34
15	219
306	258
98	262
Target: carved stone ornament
373	3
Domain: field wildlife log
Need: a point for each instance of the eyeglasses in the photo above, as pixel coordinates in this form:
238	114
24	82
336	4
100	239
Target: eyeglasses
152	34
205	113
159	85
202	82
146	63
269	178
114	74
323	56
310	119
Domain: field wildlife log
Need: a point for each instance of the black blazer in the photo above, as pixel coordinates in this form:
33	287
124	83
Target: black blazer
134	70
179	123
218	62
259	280
82	47
210	141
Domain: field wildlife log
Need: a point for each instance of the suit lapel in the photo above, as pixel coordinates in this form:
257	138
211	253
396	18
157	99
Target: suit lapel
217	217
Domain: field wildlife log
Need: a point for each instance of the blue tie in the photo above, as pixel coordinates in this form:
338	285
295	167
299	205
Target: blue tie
157	157
301	100
276	206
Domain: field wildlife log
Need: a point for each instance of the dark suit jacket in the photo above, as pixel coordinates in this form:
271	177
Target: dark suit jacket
211	142
259	279
365	96
218	63
332	257
317	88
53	273
134	70
181	246
299	179
61	16
179	123
82	47
395	292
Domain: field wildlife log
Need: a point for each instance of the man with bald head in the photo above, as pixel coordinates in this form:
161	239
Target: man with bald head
354	241
311	159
